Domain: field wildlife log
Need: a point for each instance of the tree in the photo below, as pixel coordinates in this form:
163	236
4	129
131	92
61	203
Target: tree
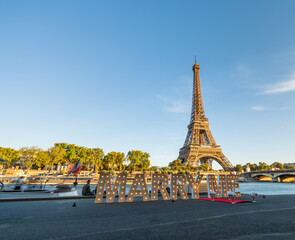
120	158
239	168
154	168
145	162
95	156
176	165
138	160
263	166
114	160
58	153
64	153
109	161
191	168
133	157
277	165
72	152
43	159
205	167
253	167
165	170
9	154
28	155
82	155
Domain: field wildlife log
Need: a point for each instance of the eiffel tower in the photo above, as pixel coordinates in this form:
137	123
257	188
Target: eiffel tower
199	146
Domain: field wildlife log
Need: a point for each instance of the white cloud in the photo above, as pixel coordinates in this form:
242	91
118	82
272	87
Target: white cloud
258	108
262	108
281	87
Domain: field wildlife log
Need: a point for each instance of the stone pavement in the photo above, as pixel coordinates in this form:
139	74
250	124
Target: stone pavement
269	218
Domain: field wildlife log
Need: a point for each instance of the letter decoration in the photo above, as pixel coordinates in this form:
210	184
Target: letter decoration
222	184
159	182
231	184
220	188
139	180
195	184
175	186
105	180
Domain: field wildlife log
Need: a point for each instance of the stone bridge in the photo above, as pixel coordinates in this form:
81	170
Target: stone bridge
275	176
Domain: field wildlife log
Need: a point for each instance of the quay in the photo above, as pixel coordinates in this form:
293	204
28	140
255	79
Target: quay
268	218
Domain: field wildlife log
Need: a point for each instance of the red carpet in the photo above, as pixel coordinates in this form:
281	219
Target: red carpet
224	200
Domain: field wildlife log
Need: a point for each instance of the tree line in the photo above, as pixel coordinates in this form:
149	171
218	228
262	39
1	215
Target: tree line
261	166
64	154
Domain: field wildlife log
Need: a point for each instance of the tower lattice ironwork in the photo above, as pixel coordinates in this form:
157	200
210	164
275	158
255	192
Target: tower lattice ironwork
199	146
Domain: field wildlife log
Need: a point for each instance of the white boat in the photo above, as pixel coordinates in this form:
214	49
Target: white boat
64	190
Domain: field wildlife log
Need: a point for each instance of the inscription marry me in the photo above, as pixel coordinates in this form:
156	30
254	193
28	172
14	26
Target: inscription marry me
220	184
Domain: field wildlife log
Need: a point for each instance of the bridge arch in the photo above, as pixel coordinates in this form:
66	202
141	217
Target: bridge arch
262	176
288	177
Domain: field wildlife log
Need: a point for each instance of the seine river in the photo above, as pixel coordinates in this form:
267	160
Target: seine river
262	188
267	188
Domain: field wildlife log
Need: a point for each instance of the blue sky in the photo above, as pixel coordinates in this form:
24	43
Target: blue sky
118	75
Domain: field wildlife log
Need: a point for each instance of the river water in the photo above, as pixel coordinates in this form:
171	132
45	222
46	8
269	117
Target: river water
267	188
262	188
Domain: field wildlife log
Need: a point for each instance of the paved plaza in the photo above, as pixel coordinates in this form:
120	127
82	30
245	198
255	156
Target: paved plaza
269	218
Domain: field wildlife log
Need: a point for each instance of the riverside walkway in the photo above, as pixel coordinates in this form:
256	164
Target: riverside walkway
269	218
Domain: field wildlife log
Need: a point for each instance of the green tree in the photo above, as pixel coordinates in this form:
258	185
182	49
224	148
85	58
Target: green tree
64	153
58	153
114	160
154	168
192	168
176	165
263	166
95	156
109	161
138	160
165	170
277	165
28	155
43	159
9	154
82	155
120	158
205	167
253	167
145	161
239	168
72	154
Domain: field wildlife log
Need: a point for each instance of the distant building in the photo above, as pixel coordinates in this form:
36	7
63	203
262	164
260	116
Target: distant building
289	164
